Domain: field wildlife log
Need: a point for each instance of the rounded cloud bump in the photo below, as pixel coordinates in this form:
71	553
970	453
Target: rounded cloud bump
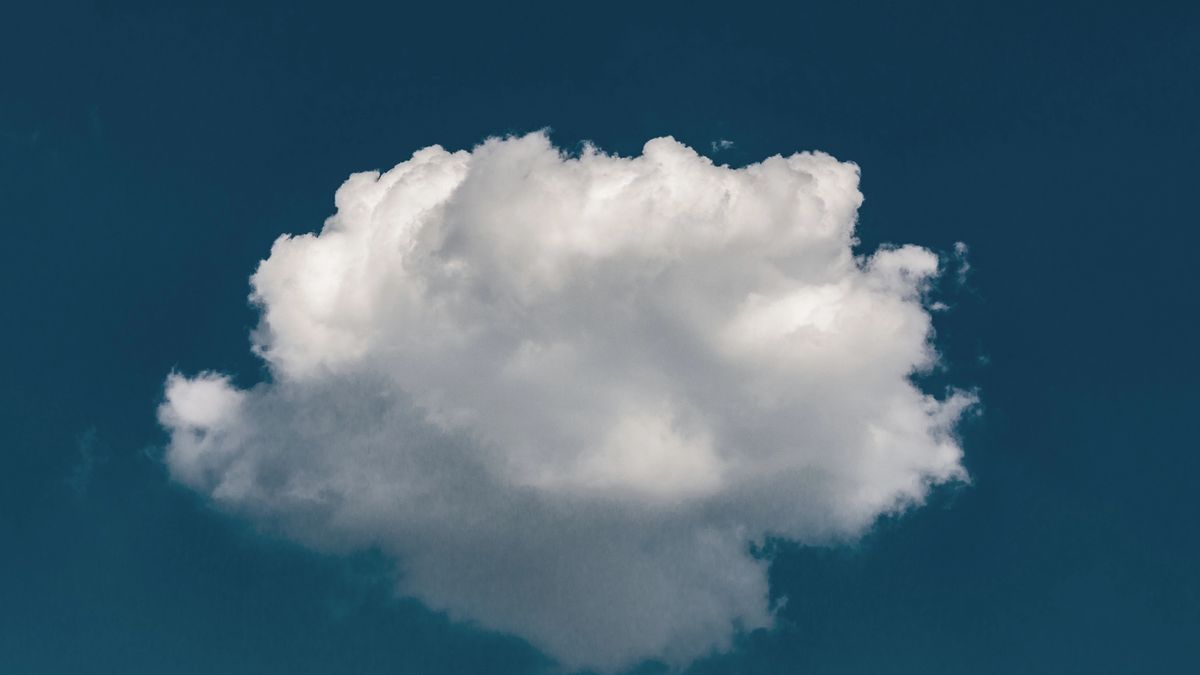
568	394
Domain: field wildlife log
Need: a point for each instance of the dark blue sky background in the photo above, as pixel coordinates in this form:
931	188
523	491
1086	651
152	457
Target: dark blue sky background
149	155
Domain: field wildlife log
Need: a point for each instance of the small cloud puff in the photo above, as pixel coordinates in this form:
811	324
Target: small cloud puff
964	265
568	394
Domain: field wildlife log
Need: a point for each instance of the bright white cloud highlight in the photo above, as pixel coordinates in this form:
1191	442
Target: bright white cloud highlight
567	393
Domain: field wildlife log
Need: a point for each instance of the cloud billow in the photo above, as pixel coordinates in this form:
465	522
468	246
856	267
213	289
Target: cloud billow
568	393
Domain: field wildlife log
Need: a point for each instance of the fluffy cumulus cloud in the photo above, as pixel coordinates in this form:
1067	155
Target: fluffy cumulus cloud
569	393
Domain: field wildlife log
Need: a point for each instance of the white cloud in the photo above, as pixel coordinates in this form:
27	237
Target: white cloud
567	393
964	265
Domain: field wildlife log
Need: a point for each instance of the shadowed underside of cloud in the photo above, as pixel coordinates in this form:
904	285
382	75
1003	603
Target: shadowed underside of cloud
568	394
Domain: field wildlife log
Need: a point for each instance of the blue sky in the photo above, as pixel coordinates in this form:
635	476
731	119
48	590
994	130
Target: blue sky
149	157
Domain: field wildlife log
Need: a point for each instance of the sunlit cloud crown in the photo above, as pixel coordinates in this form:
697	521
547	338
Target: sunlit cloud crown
567	393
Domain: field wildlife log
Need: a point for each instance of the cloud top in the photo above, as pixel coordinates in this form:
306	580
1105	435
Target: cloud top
567	392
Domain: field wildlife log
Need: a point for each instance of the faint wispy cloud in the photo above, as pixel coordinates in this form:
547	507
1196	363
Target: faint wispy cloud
89	452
